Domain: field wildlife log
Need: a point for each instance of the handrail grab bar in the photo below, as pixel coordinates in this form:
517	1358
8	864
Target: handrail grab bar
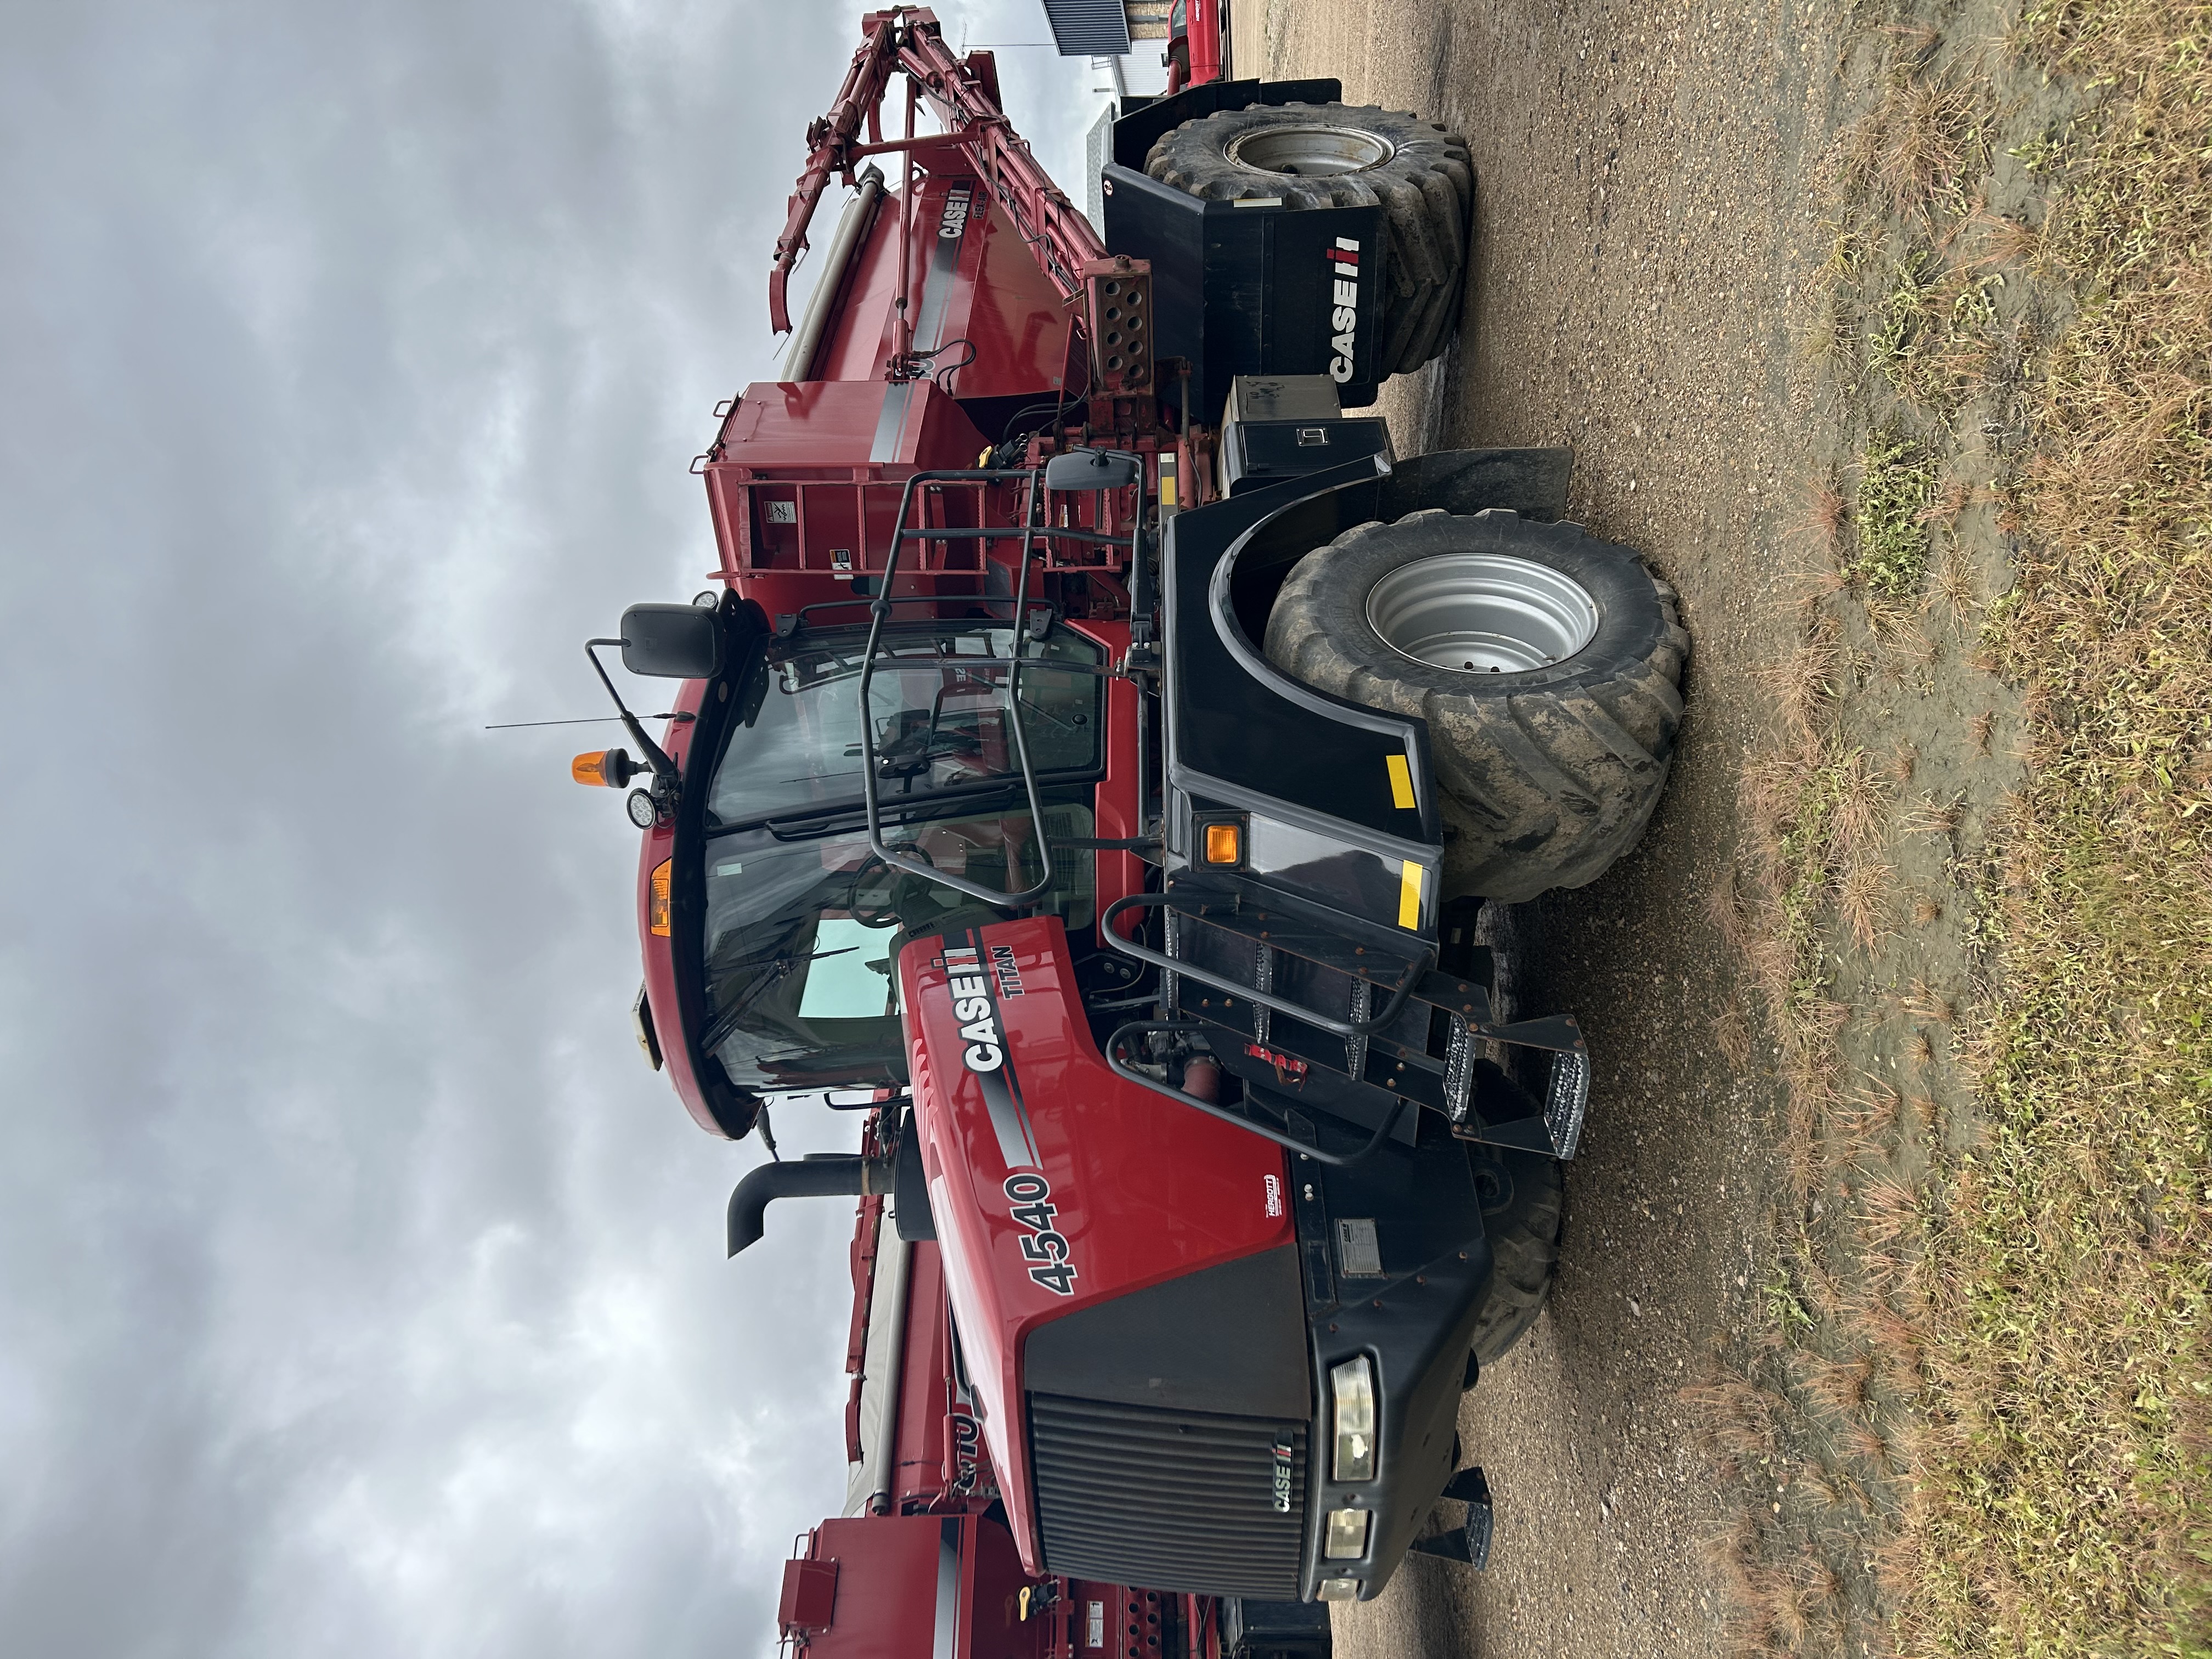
1366	1028
879	610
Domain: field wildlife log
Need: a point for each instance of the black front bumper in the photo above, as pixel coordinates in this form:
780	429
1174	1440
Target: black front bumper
1414	1322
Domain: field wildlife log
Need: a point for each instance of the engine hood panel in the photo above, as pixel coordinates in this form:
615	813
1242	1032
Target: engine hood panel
1054	1185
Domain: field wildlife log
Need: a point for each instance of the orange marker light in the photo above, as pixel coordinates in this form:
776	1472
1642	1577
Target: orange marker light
656	910
1224	843
612	768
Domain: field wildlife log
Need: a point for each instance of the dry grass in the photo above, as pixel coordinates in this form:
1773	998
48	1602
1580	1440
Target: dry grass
1983	1356
2005	241
2067	1492
1731	1029
1803	685
1861	807
1930	817
1918	40
1889	1210
1956	586
1891	1337
1867	1115
1925	1003
1920	150
1843	1389
1826	511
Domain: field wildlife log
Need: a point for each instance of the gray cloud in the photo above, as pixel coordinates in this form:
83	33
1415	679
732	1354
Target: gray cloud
359	1290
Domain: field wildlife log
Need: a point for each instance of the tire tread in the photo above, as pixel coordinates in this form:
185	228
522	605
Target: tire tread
1546	778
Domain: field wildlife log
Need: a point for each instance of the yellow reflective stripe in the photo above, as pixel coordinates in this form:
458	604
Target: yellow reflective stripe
1401	780
1409	896
1167	481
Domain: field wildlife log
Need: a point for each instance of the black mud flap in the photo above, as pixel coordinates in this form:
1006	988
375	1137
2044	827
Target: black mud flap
1470	1541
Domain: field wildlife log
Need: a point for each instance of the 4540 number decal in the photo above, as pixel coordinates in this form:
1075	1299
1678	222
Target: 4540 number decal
1043	1246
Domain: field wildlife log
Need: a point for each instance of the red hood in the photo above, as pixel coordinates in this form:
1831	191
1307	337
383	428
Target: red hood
1053	1184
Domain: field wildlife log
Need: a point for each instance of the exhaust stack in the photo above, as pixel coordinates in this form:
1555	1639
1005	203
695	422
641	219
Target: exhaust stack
819	1175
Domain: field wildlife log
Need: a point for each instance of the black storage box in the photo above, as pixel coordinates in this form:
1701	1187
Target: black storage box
1258	452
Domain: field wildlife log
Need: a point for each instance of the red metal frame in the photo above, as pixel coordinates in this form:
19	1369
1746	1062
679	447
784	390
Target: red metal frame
962	93
803	478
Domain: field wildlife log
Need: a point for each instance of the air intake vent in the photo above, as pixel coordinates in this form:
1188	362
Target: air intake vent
1170	1500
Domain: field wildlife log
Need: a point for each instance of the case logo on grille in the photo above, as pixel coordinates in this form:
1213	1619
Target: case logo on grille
1282	1477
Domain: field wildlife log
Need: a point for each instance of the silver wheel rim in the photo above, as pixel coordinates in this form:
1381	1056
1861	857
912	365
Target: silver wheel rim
1310	152
1486	613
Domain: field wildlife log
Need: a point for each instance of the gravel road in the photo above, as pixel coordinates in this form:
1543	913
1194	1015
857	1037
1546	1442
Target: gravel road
1648	231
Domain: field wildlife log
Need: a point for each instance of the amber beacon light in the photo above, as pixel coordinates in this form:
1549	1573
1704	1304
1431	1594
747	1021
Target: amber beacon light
611	769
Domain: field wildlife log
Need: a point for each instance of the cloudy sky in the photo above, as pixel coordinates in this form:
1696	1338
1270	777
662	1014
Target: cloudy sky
360	1291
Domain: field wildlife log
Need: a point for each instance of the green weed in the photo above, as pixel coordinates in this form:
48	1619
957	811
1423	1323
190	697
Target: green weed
1896	486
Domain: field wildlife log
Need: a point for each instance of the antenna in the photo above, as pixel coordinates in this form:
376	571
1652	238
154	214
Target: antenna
589	720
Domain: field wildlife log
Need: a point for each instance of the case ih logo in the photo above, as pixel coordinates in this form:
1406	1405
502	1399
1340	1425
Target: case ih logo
986	1049
1282	1477
971	971
1344	260
954	220
1045	1249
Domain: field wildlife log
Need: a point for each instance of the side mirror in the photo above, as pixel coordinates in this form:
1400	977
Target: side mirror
1092	469
671	642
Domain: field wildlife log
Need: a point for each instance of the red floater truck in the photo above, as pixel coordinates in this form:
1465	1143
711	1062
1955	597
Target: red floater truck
1090	762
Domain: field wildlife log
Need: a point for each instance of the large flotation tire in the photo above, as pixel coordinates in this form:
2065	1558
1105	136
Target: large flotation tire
1546	662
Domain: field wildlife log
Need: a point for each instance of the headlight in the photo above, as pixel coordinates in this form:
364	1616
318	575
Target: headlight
1339	1589
1346	1539
1351	1385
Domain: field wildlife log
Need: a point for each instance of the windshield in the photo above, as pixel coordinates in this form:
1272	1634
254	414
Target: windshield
937	706
802	934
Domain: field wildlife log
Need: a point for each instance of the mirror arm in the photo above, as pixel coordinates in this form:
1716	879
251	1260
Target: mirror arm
655	755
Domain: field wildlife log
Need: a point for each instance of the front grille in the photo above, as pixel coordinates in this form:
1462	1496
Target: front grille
1167	1500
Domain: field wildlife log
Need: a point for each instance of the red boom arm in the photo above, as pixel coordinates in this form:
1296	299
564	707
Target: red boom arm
908	38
